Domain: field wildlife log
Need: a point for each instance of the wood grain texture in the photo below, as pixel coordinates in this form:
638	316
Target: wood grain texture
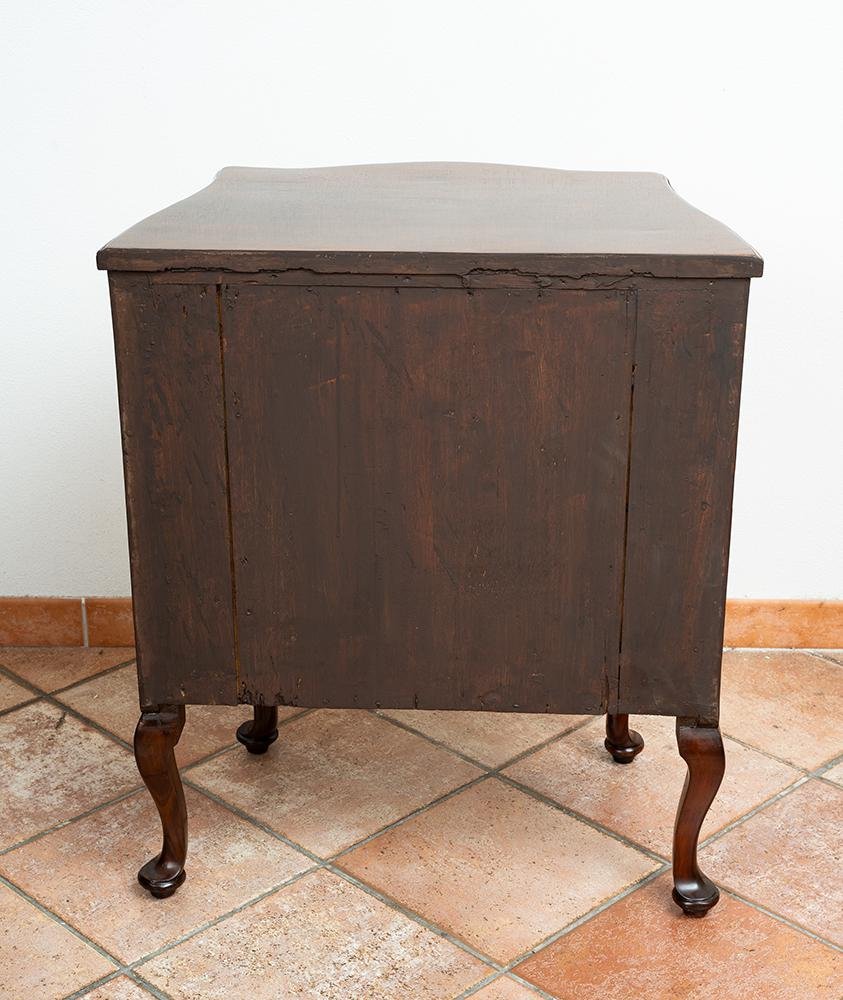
447	218
689	351
156	736
428	493
623	743
701	747
171	403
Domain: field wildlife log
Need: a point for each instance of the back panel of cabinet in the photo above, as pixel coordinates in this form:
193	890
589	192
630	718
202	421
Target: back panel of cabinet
428	493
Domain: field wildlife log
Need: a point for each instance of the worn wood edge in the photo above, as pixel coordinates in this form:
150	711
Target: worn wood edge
514	280
760	624
463	265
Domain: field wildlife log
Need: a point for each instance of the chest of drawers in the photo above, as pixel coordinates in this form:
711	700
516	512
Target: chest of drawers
435	436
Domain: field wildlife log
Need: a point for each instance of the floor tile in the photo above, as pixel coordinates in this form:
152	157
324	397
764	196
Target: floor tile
53	767
497	868
335	777
12	694
38	957
830	654
119	988
93	865
789	858
112	701
639	799
53	667
319	938
643	947
835	773
490	737
785	702
505	989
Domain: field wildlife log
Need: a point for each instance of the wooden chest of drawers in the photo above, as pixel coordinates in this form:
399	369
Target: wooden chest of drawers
442	436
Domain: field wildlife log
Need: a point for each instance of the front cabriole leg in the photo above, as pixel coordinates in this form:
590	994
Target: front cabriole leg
701	747
156	736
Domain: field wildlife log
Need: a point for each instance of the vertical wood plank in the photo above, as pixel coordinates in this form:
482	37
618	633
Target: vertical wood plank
689	352
428	494
173	422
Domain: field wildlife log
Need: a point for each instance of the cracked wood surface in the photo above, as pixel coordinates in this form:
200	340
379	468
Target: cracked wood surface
435	218
428	491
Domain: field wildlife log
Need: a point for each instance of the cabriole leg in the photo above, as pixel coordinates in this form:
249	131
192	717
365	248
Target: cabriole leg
156	736
701	747
260	733
622	742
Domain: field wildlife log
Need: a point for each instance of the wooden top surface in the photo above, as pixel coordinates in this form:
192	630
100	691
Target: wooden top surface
435	218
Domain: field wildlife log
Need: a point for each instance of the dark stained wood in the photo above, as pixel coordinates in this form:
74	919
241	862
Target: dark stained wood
435	218
258	735
701	747
171	405
156	736
434	436
428	492
623	743
689	351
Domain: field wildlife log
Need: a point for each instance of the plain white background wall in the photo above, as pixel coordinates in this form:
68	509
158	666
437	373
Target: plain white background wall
114	110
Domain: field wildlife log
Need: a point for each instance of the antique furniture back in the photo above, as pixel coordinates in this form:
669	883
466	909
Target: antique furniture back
432	435
443	436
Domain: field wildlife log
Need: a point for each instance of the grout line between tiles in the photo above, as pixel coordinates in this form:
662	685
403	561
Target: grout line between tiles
95	985
764	753
779	917
71	819
328	863
135	788
412	815
541	797
254	821
532	986
782	793
495	773
94	677
821	655
156	991
58	703
19	679
20	704
136	963
586	917
818	772
417	918
234	745
476	987
12	676
4	880
379	713
323	863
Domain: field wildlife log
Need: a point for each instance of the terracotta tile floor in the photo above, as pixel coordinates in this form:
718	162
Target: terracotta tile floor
417	855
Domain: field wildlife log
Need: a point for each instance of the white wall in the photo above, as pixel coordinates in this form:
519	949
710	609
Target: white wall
115	109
